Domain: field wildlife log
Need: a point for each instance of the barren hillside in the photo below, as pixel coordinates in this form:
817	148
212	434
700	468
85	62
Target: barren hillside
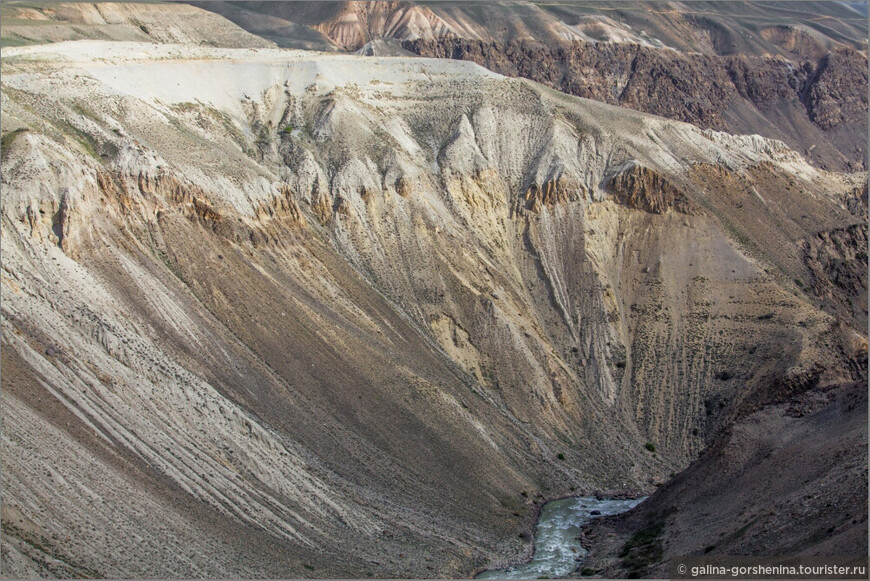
27	23
312	315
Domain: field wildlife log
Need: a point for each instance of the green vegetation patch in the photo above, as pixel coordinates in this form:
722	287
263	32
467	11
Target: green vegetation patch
11	41
6	140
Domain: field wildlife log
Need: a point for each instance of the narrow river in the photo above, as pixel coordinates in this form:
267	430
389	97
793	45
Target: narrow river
557	550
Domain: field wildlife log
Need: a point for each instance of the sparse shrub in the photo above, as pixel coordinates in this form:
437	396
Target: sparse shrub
288	130
8	138
560	456
650	446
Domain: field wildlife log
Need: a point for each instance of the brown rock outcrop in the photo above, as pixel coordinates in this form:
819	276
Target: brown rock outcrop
856	202
837	93
403	187
551	193
282	206
641	188
837	260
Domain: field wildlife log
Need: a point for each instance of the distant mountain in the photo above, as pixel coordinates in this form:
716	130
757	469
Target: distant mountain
26	23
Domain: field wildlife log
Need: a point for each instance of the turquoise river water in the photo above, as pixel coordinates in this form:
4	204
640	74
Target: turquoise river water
557	550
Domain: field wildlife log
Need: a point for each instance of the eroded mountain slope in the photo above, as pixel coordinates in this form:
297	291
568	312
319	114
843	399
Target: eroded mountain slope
818	106
790	71
312	313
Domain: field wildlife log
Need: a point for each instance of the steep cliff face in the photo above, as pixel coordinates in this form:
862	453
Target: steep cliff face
692	89
311	315
837	260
